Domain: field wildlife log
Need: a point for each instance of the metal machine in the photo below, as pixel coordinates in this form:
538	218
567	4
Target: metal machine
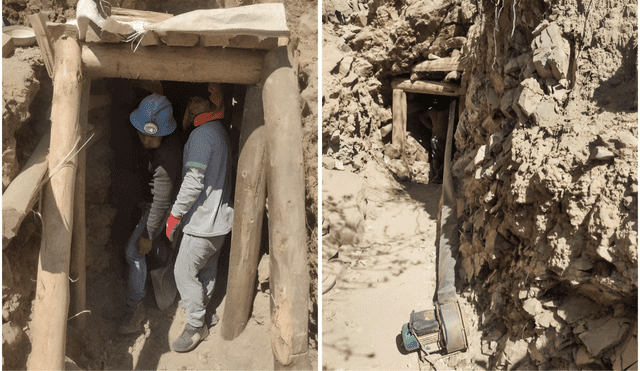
435	330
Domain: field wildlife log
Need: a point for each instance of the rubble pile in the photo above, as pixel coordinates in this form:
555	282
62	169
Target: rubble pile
545	168
547	177
19	89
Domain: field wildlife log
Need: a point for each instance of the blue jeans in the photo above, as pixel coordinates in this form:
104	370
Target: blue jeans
195	272
137	264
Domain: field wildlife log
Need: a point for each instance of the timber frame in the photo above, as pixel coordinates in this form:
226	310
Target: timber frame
401	87
270	162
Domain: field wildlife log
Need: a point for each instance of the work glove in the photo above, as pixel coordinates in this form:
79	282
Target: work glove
144	245
172	226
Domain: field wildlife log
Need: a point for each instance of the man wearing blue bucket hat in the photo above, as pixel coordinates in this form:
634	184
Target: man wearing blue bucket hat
204	208
155	126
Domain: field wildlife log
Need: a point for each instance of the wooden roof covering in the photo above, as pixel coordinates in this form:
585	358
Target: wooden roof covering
232	42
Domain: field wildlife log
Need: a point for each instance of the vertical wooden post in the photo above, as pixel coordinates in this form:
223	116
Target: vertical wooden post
399	119
247	221
45	41
51	304
78	266
285	191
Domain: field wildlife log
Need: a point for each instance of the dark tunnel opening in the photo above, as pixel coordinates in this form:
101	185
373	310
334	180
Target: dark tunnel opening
421	127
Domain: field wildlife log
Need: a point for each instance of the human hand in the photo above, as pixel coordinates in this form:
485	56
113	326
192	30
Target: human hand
144	246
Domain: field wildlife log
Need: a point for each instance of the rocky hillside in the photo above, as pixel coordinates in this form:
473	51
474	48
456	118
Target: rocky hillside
545	166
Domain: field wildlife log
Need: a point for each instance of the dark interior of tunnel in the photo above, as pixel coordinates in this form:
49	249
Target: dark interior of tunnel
129	165
417	118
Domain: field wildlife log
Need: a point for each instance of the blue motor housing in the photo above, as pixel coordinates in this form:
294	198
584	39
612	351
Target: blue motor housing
410	341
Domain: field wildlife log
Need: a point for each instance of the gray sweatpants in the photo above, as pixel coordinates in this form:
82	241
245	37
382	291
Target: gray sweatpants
195	272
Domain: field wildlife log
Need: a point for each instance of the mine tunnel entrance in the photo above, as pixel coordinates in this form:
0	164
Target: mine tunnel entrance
426	127
130	161
118	178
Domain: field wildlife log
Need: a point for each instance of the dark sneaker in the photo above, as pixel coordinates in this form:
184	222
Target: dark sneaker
132	319
211	319
190	338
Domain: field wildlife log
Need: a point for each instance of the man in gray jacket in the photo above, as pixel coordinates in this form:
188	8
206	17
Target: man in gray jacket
204	208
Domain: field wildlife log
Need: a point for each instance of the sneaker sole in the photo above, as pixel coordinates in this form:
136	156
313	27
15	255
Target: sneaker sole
195	343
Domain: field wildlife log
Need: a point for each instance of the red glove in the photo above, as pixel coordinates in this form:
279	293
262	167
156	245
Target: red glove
172	226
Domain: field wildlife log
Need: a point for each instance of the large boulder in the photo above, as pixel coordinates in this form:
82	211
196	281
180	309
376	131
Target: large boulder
551	53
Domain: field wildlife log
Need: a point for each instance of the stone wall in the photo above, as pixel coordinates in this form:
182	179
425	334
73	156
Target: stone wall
547	181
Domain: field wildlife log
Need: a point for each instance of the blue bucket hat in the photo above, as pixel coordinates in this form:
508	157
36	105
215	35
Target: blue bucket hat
154	117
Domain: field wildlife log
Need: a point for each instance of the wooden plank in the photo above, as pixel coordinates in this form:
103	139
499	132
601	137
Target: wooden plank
268	43
24	191
51	303
443	64
247	219
45	41
58	30
171	38
78	264
215	40
244	41
289	279
131	15
149	39
282	41
253	42
428	87
233	66
240	41
7	45
399	119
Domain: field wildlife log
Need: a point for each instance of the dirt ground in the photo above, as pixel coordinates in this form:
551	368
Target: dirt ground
390	273
27	93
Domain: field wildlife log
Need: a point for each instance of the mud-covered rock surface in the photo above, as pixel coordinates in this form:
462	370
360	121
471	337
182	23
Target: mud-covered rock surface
545	163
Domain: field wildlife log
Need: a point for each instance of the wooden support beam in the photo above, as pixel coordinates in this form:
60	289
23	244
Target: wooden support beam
51	304
285	188
149	39
78	268
171	38
131	15
215	40
240	41
399	119
45	41
247	223
24	191
7	45
442	64
233	66
428	87
58	30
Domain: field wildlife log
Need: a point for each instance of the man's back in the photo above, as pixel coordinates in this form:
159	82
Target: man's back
208	150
